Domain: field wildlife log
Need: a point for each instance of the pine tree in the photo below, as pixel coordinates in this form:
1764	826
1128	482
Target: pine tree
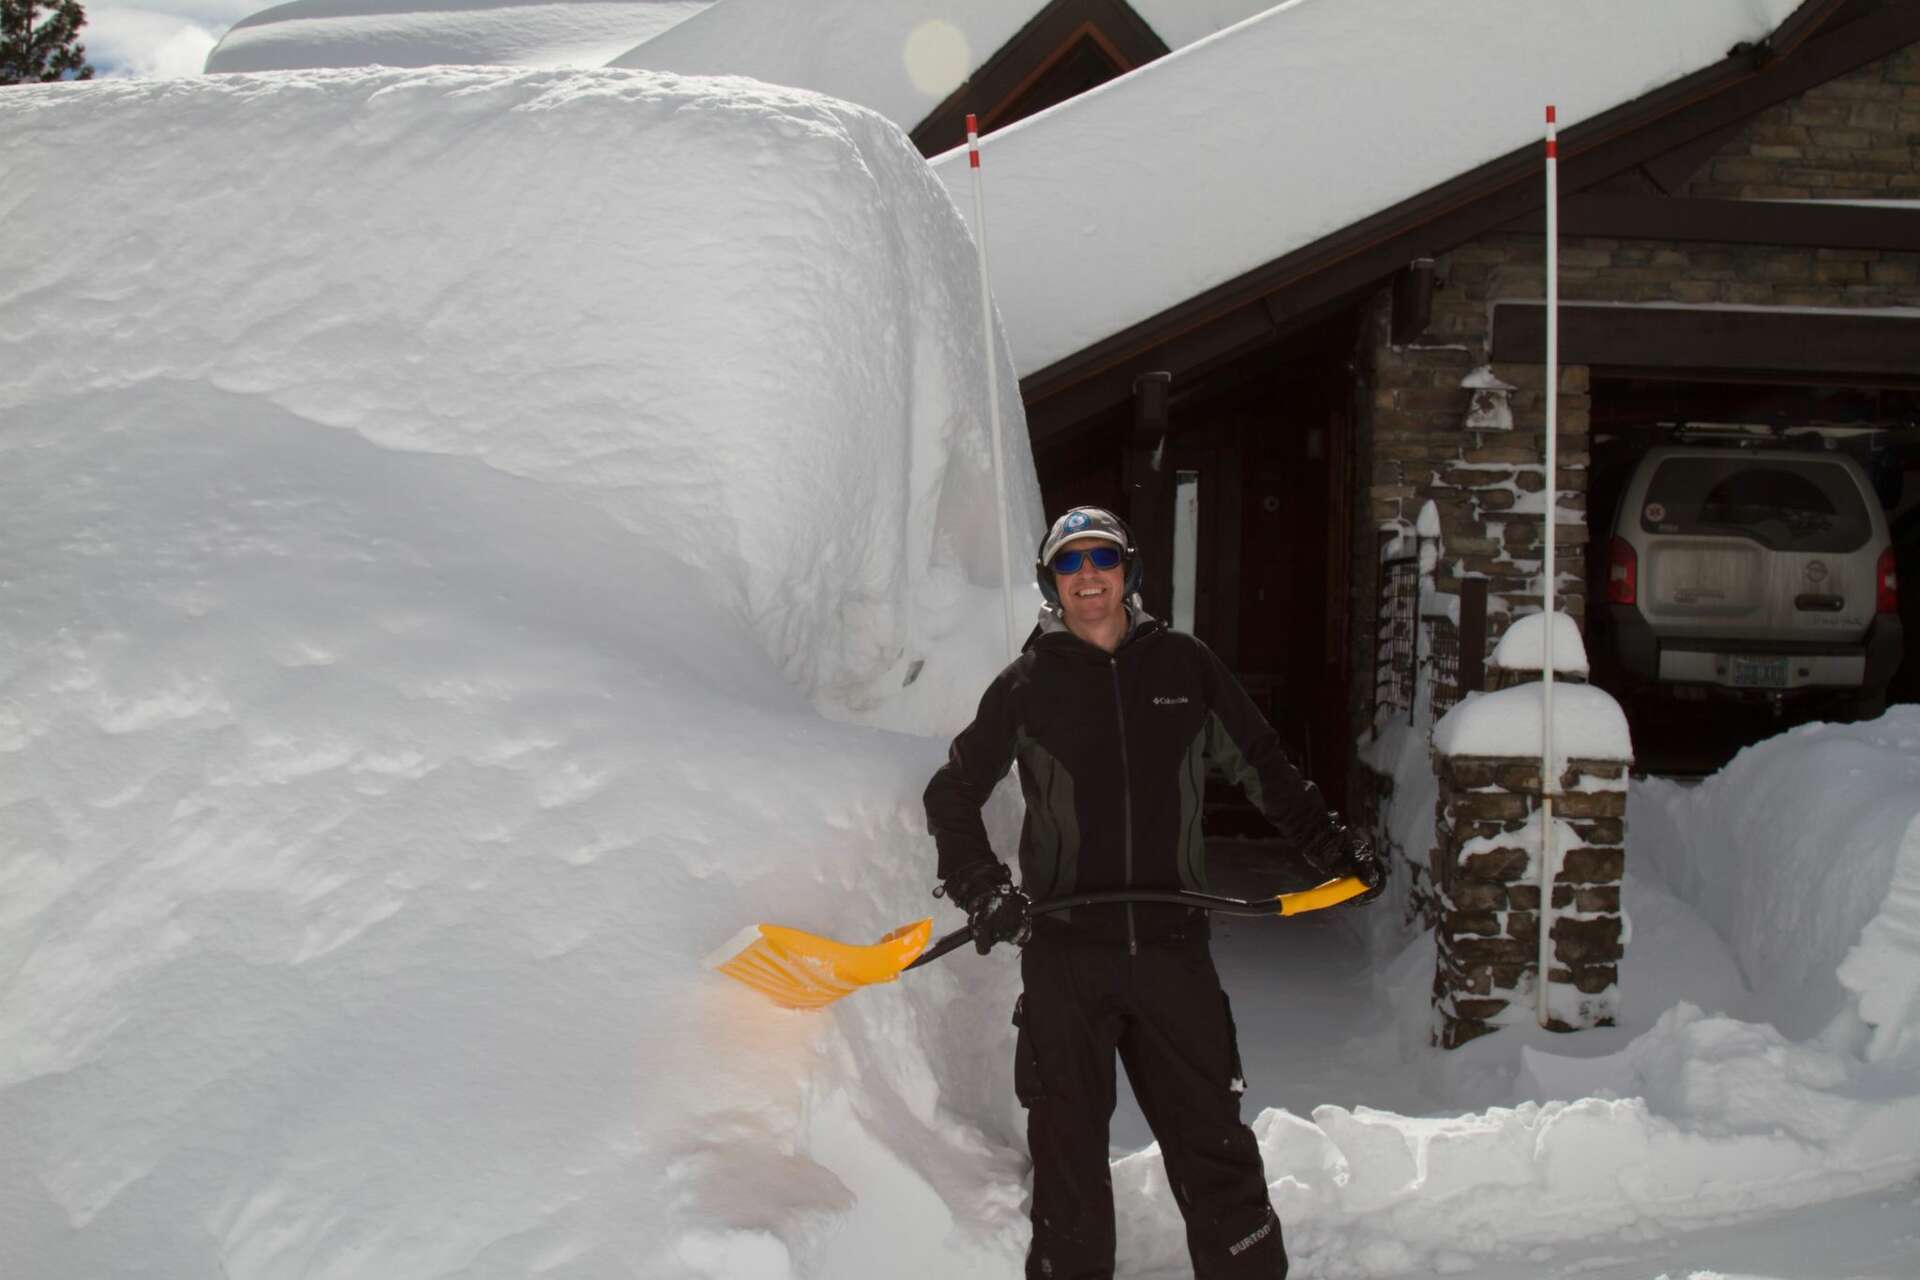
33	48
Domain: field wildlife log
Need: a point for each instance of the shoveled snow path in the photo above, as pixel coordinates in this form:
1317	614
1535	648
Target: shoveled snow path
1874	1237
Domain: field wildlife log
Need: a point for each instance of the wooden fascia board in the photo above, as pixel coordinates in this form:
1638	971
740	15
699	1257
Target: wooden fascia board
1779	342
1085	31
1485	198
1768	222
1191	354
1120	32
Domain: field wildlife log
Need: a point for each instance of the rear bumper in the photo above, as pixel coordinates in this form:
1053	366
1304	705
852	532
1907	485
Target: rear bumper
1644	658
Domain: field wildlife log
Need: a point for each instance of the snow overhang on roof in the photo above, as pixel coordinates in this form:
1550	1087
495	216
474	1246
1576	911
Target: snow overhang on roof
1188	184
907	59
902	58
312	34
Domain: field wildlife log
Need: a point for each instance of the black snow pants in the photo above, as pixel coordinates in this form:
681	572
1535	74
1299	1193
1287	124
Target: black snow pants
1164	1013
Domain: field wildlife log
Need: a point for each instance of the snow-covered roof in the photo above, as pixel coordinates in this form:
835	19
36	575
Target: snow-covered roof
900	57
1181	22
420	33
1190	171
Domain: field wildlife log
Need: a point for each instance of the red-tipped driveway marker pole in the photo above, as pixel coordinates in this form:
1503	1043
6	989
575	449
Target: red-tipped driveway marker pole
1549	769
993	379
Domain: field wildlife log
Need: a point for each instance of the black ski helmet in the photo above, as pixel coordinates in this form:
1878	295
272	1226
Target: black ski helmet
1086	522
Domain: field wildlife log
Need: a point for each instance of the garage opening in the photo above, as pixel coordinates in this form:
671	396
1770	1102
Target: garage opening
1689	729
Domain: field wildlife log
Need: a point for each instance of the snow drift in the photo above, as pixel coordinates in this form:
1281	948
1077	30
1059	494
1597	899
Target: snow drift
438	506
307	34
1804	854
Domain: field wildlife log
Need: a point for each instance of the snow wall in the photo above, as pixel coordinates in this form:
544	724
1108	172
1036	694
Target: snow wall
1804	855
438	508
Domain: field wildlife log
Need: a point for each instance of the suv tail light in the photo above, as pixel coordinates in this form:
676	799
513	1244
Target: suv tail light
1623	573
1887	594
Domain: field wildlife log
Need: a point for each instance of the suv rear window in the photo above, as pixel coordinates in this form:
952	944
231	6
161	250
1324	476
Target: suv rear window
1783	504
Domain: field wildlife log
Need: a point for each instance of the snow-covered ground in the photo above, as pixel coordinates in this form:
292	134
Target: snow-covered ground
468	534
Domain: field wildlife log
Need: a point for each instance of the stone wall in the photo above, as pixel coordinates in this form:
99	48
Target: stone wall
1426	439
1485	877
1851	138
1488	484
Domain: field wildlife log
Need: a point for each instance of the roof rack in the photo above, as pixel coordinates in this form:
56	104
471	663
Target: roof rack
1771	435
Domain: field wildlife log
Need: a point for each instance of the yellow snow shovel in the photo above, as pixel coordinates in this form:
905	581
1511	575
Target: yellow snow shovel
805	971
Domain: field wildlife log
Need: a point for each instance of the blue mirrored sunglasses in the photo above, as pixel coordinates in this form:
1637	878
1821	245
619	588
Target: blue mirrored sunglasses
1102	557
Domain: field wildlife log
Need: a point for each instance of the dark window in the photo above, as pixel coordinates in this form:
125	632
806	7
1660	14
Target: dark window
1783	505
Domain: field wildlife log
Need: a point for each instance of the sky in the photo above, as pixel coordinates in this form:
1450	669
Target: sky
163	38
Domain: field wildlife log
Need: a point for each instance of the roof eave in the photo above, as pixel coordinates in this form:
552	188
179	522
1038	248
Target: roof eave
1799	54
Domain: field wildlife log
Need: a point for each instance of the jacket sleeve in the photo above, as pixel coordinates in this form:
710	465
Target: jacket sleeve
1248	752
979	757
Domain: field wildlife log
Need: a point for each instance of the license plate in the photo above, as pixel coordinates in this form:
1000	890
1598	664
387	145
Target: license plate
1758	673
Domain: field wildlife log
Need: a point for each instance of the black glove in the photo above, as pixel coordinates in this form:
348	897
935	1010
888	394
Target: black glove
996	911
1346	852
1364	865
1001	916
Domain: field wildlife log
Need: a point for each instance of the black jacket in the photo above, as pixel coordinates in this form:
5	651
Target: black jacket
1113	752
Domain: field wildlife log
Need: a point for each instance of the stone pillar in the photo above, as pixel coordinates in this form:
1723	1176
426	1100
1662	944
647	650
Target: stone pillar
1486	878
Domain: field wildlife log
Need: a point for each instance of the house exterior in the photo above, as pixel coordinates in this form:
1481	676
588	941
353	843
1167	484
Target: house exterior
1739	243
1273	281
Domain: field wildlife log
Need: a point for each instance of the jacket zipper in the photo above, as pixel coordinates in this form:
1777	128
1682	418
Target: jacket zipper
1126	791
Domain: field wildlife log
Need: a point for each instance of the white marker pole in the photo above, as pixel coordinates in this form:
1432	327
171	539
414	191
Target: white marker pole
993	377
1549	772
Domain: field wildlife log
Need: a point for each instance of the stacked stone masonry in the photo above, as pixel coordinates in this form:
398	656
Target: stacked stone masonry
1851	138
1856	137
1487	897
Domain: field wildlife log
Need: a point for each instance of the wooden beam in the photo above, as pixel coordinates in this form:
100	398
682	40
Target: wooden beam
1771	222
1227	337
1206	347
1778	341
1674	169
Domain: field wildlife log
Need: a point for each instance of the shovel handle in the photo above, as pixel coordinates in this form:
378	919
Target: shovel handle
1321	896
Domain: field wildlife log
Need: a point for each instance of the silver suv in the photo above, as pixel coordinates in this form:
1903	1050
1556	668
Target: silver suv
1761	573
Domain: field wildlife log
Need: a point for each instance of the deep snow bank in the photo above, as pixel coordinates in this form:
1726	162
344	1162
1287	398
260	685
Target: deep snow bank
422	33
1804	854
715	311
415	489
1714	1100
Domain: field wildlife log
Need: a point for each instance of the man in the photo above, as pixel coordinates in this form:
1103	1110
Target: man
1113	719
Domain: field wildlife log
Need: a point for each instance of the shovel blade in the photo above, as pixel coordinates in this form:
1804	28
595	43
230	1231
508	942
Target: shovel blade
805	971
